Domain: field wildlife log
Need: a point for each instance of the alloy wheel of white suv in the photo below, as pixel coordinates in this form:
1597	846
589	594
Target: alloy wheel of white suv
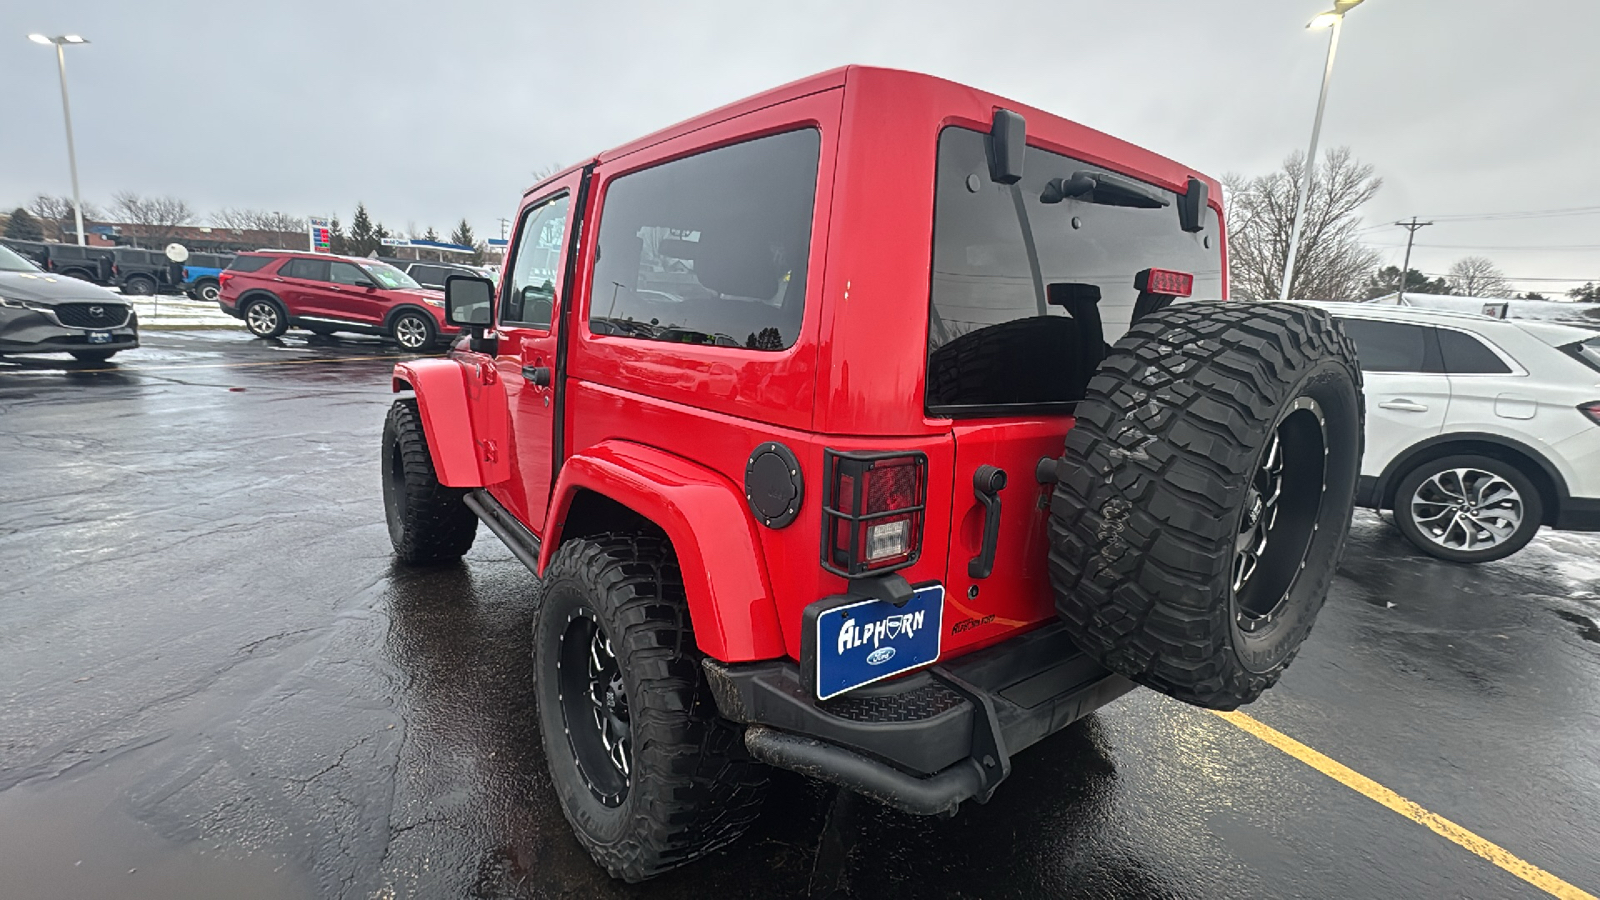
1468	508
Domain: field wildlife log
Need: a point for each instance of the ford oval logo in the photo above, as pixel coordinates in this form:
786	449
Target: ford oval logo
880	656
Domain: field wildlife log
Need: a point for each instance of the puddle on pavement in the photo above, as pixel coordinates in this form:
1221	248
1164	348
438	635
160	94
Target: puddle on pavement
75	840
1588	629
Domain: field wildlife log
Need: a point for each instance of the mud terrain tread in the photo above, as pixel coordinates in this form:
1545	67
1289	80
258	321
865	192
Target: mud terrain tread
694	788
435	525
1143	509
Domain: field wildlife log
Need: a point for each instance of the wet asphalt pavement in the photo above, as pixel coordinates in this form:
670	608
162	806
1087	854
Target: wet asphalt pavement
215	682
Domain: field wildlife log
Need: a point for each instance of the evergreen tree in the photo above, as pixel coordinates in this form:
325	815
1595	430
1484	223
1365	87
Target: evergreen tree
22	226
431	235
336	239
364	236
1589	293
463	235
380	232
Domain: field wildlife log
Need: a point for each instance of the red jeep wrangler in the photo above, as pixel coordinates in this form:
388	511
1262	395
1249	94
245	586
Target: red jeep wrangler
849	430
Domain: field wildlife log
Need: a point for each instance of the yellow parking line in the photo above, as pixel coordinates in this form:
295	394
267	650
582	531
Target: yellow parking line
1439	825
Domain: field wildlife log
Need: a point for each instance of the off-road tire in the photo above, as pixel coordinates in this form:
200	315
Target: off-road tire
263	325
139	286
1150	505
693	788
429	523
1531	502
92	355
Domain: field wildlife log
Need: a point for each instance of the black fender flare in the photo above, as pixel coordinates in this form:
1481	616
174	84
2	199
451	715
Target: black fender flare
1545	475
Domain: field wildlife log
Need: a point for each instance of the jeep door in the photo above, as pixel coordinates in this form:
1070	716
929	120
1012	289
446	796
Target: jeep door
532	301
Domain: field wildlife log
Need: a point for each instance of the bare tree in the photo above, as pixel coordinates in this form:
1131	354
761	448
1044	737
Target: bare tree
546	171
1331	263
55	214
1477	276
234	219
155	219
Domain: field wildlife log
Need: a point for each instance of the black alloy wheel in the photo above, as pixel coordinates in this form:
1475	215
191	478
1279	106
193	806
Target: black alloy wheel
1279	516
594	708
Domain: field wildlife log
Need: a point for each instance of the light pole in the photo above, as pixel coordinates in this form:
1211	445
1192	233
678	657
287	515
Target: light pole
1334	18
66	112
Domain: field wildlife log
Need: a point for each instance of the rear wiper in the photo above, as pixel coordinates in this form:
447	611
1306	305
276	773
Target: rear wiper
1103	188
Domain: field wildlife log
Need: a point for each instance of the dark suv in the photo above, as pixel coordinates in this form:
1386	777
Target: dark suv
432	274
42	312
275	290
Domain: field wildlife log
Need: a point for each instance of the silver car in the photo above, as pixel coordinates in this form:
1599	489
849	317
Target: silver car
45	313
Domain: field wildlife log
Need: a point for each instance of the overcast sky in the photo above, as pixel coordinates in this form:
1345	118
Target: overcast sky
428	112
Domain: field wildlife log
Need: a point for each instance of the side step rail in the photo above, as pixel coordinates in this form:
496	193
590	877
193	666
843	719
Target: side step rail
522	543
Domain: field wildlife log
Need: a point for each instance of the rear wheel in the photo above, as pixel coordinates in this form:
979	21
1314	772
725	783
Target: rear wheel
1468	509
412	330
1205	495
265	318
428	522
647	772
208	291
139	286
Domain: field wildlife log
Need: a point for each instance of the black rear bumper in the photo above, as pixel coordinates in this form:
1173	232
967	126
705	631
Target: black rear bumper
1579	514
926	742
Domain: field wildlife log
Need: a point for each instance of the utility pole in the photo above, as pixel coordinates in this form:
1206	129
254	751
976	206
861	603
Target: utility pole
504	225
1405	268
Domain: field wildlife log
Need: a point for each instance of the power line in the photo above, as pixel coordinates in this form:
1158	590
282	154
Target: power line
1517	278
1527	214
1495	246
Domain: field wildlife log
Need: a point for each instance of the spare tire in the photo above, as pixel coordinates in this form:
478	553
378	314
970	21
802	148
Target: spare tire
1204	497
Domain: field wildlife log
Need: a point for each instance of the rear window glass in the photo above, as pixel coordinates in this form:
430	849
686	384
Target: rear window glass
249	263
995	341
1466	355
1586	352
710	249
309	269
1392	346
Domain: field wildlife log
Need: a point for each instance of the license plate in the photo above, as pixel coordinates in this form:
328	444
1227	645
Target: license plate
99	337
872	640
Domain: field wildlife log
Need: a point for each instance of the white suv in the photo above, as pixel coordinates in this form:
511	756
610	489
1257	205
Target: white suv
1479	430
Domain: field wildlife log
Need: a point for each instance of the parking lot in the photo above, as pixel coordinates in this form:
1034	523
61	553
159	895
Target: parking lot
217	683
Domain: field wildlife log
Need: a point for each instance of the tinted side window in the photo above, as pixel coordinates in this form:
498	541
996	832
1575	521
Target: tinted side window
344	273
710	249
309	269
249	263
1391	346
432	276
531	294
1466	355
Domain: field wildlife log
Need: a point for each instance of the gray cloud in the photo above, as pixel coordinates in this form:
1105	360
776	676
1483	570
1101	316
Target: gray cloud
428	112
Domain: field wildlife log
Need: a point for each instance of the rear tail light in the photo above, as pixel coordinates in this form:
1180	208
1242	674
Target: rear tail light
1592	410
873	507
223	278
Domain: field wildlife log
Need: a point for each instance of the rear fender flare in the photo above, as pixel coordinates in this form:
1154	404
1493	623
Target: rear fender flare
705	517
462	405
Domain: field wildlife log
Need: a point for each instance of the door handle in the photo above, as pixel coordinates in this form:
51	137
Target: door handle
538	376
987	483
1403	406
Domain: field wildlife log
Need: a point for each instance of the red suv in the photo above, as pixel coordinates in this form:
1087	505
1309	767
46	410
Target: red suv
853	429
272	290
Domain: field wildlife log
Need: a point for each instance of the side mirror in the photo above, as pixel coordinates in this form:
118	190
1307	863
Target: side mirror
469	301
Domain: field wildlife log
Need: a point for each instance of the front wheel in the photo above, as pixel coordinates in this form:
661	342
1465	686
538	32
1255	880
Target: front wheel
412	331
1468	509
139	286
264	318
648	774
429	523
1204	498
